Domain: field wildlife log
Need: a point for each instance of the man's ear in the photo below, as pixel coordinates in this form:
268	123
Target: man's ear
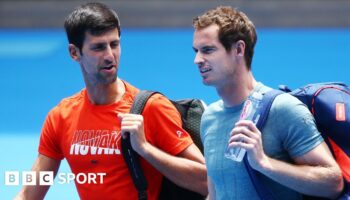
240	47
74	52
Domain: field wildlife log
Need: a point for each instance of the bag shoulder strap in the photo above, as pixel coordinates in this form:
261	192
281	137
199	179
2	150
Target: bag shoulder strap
130	156
264	109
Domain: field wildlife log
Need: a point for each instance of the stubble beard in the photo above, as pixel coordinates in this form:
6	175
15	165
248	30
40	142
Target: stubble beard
105	80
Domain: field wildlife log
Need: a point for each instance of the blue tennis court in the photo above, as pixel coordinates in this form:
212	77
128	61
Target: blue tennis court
37	72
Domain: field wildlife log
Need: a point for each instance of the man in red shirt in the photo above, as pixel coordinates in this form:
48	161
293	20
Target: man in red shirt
87	127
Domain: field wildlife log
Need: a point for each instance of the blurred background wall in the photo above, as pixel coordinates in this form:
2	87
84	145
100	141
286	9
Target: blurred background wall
176	13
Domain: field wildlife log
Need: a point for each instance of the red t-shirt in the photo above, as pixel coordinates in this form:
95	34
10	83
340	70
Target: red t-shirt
88	136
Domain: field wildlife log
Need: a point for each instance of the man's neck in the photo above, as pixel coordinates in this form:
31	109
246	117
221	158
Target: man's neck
238	90
104	94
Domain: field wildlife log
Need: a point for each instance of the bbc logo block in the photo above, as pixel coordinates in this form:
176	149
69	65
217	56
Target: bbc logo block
47	178
12	178
29	178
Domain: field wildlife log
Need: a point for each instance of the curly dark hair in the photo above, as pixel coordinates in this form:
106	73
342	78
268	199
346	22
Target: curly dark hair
233	25
95	18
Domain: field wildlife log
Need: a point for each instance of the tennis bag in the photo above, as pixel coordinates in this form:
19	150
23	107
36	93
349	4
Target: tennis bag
330	105
191	111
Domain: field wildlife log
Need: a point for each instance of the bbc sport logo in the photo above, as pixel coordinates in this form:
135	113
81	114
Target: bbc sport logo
15	178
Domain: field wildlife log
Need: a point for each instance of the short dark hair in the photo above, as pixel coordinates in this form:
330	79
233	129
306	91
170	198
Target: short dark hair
94	18
233	25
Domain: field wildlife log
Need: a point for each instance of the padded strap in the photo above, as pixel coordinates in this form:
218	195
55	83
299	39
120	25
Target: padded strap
130	156
263	110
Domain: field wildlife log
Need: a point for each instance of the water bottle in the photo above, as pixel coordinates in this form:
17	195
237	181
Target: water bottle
248	113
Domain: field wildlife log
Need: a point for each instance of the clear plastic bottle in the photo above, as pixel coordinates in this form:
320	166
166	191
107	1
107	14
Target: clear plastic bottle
248	113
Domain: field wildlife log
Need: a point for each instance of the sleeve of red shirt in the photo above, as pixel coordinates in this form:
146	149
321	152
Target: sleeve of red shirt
163	126
49	144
